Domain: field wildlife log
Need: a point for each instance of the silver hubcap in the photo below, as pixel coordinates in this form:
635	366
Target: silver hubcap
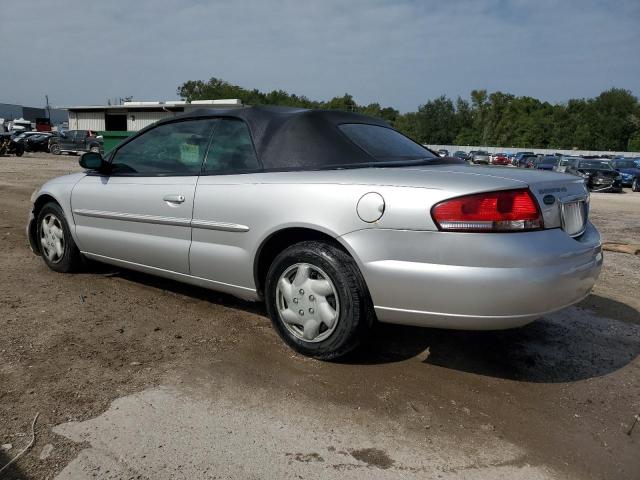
52	238
307	302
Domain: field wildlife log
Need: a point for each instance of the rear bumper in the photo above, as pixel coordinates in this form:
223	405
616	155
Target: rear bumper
474	281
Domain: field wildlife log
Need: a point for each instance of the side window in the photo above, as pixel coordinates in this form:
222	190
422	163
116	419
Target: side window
231	149
176	148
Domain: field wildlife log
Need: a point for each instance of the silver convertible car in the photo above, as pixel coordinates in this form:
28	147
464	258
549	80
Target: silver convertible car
334	219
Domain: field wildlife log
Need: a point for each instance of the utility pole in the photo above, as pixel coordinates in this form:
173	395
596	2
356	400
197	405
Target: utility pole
48	107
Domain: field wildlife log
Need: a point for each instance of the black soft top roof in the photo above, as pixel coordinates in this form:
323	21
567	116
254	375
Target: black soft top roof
294	138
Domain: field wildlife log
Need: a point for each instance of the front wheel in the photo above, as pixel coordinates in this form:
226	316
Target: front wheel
58	249
635	186
317	300
55	149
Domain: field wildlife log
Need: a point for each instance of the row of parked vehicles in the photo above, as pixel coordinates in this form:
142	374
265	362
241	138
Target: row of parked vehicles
68	141
601	173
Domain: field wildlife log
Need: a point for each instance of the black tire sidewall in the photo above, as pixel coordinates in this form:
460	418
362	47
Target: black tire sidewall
354	318
54	149
635	185
70	258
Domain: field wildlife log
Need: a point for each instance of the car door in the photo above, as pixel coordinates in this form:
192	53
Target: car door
67	140
225	206
80	140
140	212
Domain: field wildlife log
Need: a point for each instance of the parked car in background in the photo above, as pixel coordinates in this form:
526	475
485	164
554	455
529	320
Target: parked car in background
461	155
598	173
564	160
500	159
76	141
629	170
526	161
481	157
38	143
443	152
518	158
547	162
20	136
34	141
381	227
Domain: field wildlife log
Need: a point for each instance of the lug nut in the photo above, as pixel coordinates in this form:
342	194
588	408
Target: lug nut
295	300
301	292
301	312
311	311
312	298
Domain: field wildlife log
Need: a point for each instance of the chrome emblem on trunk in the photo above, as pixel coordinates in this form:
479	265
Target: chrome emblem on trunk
549	199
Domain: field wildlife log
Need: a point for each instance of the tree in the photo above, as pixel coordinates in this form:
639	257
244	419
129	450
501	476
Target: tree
437	121
610	121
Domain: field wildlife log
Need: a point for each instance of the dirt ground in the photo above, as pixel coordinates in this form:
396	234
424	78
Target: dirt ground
139	377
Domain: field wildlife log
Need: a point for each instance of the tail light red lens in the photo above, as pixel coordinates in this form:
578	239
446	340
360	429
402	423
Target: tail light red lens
503	211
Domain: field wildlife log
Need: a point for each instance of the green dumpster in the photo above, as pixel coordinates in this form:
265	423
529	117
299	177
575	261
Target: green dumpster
112	138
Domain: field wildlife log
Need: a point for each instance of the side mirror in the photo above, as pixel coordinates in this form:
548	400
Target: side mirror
92	161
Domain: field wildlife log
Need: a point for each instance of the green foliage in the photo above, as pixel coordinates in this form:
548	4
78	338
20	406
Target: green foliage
610	121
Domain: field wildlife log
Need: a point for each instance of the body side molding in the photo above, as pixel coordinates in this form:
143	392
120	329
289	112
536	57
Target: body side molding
180	222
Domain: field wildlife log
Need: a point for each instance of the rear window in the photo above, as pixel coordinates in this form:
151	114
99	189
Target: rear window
383	143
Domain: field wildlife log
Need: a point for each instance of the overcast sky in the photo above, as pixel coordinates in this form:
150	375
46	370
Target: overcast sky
396	52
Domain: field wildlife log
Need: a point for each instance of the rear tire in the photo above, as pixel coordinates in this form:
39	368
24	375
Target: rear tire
317	300
56	244
635	186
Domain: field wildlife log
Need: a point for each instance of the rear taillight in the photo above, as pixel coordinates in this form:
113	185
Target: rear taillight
504	211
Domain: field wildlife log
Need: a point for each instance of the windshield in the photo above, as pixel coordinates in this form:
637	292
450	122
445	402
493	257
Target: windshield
549	160
595	164
385	144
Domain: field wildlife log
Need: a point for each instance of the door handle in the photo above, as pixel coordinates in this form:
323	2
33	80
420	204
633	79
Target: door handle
174	198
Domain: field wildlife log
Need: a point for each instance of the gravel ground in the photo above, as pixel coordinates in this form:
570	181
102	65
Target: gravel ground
139	377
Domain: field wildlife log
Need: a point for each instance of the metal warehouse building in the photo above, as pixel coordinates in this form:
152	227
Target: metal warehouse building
133	116
10	111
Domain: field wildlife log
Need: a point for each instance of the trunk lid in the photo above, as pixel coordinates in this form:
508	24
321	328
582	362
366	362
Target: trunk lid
454	180
559	195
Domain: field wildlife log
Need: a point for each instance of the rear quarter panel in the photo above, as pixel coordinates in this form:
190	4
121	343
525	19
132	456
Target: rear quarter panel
263	208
